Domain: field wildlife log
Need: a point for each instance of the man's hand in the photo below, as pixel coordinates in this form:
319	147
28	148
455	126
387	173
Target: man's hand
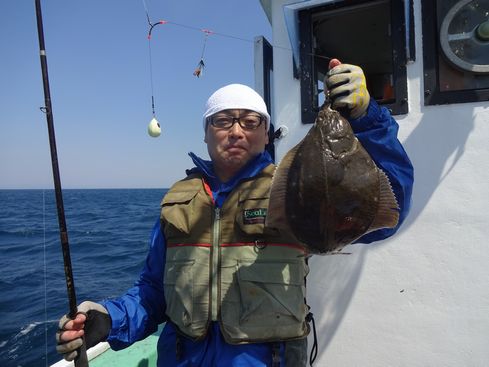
91	321
347	89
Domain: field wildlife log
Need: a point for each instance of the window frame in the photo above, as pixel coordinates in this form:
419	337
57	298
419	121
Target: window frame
309	89
263	55
431	55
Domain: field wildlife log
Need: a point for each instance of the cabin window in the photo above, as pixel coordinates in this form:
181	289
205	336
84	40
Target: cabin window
263	54
371	34
456	51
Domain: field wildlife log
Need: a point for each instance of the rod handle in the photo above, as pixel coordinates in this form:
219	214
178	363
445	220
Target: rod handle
81	359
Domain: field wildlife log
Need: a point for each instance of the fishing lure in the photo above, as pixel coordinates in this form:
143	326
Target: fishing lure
200	66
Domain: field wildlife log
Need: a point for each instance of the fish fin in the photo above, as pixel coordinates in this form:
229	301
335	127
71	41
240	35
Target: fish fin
276	216
387	215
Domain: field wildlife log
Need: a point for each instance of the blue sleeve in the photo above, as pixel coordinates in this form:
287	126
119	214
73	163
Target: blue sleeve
377	131
138	313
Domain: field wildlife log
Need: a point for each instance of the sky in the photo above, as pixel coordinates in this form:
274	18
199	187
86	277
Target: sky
100	81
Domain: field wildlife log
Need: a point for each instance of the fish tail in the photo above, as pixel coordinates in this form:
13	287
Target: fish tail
387	215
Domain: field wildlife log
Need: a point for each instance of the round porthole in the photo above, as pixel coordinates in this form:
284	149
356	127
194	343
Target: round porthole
464	35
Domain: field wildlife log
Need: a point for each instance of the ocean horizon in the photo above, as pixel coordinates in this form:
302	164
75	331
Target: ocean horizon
80	188
108	230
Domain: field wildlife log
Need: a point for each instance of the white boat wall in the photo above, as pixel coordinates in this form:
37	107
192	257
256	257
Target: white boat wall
421	297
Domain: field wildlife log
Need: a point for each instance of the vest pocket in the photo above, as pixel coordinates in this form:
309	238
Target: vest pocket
272	294
178	284
178	210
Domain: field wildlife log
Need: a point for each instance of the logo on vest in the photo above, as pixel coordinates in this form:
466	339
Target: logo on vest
253	216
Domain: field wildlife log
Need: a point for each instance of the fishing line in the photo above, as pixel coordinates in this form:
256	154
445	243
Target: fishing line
147	12
45	280
244	39
239	38
81	360
151	79
152	25
154	128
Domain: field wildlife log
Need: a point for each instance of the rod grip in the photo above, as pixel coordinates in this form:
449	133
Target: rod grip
81	359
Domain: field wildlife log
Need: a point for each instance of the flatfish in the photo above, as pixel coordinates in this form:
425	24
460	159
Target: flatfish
327	191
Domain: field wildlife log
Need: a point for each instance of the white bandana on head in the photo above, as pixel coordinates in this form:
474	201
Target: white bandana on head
235	96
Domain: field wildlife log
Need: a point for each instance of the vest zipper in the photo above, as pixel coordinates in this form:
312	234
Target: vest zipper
216	230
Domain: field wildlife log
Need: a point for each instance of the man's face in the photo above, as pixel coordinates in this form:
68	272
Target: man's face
232	148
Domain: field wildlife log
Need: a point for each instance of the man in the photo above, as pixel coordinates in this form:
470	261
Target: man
212	274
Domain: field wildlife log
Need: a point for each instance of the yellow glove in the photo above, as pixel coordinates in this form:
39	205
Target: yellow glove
347	90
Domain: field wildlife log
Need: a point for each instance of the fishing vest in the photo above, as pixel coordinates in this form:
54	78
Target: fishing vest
223	264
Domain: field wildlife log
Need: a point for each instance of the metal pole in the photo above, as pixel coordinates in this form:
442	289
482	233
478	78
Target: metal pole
81	360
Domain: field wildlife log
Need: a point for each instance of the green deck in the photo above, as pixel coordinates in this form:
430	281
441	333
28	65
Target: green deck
140	354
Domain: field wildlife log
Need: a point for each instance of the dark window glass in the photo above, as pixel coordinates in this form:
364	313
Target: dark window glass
371	34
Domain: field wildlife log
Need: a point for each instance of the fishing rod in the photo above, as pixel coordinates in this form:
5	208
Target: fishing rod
81	360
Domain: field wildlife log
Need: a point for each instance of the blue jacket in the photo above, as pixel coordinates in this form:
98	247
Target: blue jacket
138	313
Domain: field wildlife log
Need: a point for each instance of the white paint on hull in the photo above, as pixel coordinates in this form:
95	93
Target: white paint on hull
420	298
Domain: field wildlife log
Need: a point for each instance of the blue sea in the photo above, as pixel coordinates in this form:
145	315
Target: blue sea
108	232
